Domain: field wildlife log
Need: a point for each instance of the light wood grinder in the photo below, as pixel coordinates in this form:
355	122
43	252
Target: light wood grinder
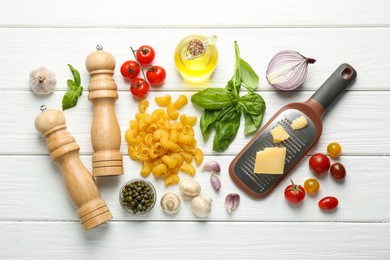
81	186
105	131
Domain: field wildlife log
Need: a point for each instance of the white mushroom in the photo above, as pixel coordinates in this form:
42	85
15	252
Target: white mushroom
170	203
201	206
42	81
189	188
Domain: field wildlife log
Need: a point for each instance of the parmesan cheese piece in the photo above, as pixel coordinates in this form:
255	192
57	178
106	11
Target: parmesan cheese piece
279	134
299	123
270	160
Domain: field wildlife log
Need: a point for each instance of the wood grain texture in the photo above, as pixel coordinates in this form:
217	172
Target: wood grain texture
350	121
160	240
37	221
36	186
251	13
363	48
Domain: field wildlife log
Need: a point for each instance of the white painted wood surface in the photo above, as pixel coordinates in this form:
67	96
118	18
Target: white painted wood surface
36	217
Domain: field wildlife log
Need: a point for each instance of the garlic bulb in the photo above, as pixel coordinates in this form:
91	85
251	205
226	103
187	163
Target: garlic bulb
42	81
287	70
189	188
170	203
201	206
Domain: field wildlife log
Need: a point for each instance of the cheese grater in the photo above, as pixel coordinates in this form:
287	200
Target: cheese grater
300	141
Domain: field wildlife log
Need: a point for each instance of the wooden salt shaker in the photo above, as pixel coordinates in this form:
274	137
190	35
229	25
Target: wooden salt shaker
105	131
81	186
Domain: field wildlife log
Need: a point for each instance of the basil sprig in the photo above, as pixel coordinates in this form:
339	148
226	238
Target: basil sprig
75	90
223	106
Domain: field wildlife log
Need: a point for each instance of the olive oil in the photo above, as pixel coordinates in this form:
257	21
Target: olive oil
196	58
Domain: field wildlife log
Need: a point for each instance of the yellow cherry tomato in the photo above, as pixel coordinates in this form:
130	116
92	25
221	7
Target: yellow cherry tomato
311	186
334	149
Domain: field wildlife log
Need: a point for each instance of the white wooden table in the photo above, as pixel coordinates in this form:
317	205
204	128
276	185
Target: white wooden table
38	221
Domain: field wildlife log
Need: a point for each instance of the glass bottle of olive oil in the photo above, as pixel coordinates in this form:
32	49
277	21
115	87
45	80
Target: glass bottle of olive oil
196	57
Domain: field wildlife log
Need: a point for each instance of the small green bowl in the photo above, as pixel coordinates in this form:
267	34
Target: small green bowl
136	188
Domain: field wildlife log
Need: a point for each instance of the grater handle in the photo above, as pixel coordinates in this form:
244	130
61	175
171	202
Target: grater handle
334	85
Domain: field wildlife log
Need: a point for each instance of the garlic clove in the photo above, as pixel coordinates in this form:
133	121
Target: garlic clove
215	182
189	188
232	201
170	203
212	166
201	206
42	81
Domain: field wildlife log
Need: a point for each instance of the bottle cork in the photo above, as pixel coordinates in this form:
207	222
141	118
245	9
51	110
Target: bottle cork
105	132
81	186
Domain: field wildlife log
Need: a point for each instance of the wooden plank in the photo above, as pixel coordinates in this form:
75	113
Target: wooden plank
201	14
55	48
352	121
34	190
130	240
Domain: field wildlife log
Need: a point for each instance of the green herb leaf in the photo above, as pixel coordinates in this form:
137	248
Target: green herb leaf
75	90
253	103
248	76
227	128
213	98
252	123
70	99
76	75
207	122
71	84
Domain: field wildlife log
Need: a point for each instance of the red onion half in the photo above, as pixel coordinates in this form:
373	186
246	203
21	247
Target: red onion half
287	70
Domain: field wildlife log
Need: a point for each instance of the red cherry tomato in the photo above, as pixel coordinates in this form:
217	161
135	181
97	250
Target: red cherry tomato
145	55
139	88
319	163
337	170
328	203
130	69
156	75
294	193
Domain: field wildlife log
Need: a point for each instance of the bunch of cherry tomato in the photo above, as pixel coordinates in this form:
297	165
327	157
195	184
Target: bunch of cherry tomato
319	164
155	75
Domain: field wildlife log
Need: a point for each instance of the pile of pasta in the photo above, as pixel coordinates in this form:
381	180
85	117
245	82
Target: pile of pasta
163	144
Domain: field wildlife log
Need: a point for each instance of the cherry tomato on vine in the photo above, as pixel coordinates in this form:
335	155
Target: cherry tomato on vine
145	55
130	69
311	186
139	88
337	170
294	193
156	75
328	203
319	163
334	149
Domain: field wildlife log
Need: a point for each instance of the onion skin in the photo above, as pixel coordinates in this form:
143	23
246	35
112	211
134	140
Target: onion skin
287	70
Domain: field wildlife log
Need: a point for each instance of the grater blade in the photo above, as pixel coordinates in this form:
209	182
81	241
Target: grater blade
299	143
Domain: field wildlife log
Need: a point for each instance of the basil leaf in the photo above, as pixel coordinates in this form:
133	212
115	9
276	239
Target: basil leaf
71	84
253	103
70	99
76	75
227	128
79	90
213	98
248	76
252	123
207	122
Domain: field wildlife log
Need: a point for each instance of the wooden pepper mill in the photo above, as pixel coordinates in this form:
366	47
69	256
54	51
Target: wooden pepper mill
81	186
105	131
